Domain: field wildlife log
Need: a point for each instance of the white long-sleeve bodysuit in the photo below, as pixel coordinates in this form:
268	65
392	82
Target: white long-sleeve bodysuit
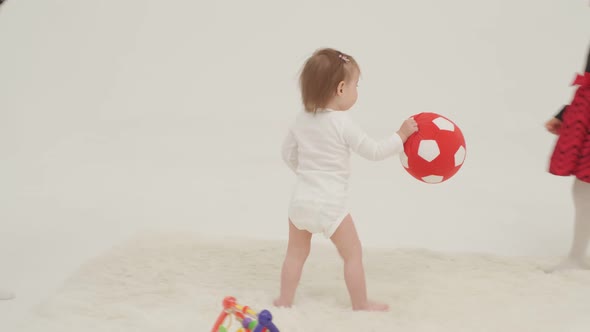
317	148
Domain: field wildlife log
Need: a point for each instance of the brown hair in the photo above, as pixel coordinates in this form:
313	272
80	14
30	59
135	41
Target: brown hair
321	74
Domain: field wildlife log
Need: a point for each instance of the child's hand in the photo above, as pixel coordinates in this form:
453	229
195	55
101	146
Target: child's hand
553	126
407	129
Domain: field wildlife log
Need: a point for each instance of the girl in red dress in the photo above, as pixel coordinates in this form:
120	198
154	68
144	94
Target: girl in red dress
571	157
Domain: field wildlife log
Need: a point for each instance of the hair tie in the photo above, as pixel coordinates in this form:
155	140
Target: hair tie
344	58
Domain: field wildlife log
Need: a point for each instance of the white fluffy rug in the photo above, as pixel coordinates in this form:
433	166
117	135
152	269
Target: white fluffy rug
177	282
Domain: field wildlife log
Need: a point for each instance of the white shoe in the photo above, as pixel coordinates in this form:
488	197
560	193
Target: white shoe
5	295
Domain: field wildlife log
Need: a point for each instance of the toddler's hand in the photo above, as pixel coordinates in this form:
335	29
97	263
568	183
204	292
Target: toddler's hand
553	126
407	129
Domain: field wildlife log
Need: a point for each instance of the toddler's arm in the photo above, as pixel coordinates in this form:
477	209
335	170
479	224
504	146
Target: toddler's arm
367	147
289	151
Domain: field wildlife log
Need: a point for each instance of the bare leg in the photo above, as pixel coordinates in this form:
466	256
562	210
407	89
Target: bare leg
349	247
297	253
575	259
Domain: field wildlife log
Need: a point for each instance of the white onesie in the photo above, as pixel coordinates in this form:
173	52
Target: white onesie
317	148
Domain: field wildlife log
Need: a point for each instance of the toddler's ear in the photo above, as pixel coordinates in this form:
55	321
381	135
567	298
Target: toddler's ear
340	88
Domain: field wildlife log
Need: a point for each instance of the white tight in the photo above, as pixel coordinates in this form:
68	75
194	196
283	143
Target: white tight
581	193
575	259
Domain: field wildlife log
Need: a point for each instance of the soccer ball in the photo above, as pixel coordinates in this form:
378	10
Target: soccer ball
436	152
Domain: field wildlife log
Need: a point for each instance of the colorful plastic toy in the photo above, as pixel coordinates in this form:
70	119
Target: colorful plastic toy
248	318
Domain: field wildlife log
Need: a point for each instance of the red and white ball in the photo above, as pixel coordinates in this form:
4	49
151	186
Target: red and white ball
436	152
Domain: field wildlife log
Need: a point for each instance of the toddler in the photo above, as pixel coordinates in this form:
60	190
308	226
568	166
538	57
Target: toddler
317	148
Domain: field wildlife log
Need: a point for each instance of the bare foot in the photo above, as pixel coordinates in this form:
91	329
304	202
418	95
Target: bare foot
282	303
569	264
371	306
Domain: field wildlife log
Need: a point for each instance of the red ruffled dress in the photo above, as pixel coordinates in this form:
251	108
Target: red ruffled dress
571	155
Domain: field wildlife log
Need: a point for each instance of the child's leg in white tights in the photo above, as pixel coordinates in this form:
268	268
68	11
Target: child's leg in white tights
575	260
582	226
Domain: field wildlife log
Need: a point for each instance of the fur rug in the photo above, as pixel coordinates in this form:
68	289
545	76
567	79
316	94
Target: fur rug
176	282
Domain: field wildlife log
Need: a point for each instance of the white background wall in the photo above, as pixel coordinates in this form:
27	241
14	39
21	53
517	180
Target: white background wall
120	117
